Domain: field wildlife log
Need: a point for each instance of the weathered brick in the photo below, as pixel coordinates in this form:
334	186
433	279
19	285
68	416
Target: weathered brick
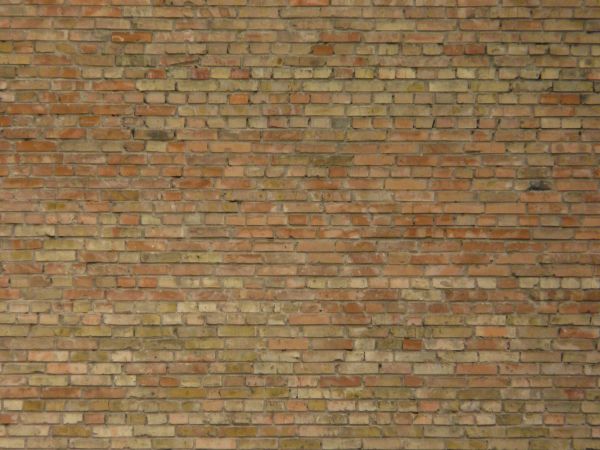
310	224
155	85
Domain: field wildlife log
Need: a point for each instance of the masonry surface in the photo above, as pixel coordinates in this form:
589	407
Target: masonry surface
300	224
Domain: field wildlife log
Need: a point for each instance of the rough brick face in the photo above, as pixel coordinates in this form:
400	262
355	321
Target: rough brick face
303	224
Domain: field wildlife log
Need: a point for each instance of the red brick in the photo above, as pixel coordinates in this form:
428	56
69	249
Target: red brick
313	224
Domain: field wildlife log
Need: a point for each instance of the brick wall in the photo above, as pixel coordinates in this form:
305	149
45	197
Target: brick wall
299	224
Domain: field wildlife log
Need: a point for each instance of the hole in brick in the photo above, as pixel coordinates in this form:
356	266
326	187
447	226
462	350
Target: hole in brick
539	185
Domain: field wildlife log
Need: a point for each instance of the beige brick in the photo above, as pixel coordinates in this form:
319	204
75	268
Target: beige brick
155	85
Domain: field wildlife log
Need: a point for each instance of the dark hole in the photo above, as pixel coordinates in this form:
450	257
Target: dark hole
539	185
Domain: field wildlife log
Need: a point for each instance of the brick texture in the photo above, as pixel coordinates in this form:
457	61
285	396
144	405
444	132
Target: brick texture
300	224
